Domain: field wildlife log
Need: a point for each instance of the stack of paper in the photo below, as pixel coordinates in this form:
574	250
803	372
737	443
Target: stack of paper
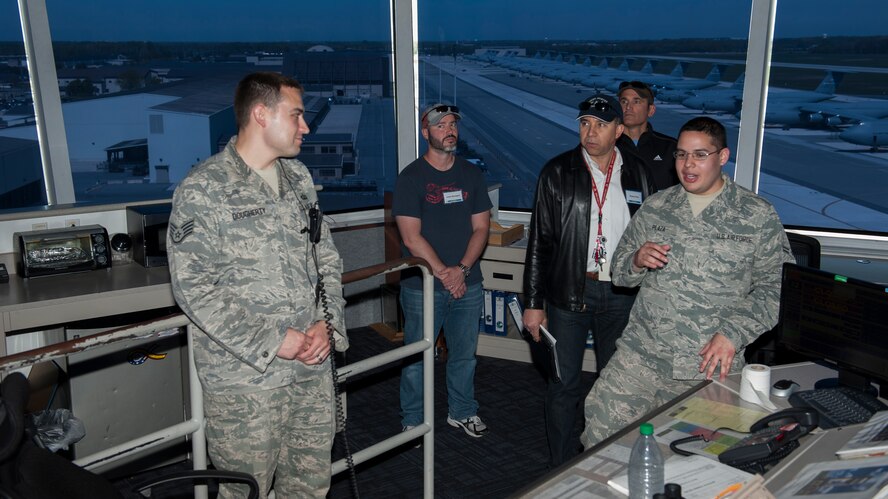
840	480
870	441
698	476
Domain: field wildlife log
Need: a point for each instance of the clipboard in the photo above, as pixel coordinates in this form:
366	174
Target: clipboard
547	341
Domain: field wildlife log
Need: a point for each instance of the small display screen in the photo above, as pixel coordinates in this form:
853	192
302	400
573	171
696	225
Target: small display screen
836	318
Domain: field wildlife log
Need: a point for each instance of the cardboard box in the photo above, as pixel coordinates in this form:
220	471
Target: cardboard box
504	236
44	380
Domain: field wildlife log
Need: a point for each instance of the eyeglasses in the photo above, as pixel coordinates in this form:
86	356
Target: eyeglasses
598	104
697	155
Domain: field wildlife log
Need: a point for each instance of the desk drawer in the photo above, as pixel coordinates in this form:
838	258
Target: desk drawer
502	276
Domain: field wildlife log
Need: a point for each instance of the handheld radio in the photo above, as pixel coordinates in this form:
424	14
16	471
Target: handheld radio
314	224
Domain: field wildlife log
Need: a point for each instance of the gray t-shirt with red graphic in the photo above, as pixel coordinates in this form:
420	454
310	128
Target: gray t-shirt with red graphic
444	202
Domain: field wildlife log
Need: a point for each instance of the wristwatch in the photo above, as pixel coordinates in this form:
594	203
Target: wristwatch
465	270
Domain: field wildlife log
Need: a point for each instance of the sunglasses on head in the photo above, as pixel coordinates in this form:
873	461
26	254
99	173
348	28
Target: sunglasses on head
599	105
444	108
634	84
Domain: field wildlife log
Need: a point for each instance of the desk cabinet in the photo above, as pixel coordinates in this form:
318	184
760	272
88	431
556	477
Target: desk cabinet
116	400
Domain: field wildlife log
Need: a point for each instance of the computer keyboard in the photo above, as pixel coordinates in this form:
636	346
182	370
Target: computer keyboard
839	406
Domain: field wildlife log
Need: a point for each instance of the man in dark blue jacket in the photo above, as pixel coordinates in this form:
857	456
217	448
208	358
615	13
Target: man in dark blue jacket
584	199
655	148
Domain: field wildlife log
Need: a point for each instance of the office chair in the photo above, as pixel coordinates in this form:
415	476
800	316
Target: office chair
29	471
805	249
763	350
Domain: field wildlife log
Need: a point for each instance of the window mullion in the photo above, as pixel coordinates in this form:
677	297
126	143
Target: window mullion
51	135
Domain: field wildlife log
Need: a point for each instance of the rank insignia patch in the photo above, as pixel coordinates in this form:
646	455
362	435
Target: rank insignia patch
178	234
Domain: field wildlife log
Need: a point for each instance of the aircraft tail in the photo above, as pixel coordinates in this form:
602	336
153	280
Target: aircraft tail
678	70
830	82
648	67
715	74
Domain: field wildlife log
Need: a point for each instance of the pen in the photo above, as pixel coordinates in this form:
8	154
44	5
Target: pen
729	490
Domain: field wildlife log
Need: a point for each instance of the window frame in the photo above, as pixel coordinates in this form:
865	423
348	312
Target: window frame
57	177
57	169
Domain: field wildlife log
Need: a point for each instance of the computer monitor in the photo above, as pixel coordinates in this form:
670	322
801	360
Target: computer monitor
840	319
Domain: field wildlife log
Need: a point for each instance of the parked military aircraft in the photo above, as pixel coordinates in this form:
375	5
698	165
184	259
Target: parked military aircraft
622	73
838	113
674	81
784	106
873	134
718	99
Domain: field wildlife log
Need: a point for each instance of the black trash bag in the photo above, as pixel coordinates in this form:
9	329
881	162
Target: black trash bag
56	429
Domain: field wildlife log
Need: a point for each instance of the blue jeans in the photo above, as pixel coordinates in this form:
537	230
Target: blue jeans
460	321
606	315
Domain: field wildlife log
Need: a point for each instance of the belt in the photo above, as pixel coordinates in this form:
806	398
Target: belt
592	275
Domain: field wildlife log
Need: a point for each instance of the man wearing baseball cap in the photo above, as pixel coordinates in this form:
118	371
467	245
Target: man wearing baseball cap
584	199
655	148
442	211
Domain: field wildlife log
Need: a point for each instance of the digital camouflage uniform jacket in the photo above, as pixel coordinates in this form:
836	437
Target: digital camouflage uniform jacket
243	272
723	275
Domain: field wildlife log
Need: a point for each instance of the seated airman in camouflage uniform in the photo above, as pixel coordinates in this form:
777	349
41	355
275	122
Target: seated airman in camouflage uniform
707	256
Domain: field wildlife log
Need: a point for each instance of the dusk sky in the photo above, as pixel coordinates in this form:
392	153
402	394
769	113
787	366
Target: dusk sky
440	20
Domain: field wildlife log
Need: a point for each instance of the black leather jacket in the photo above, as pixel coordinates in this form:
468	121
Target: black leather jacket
558	245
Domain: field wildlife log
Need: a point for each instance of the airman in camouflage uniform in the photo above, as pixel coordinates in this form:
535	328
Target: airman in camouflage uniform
709	285
244	271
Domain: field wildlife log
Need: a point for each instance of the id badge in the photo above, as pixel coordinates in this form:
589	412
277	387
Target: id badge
633	197
451	197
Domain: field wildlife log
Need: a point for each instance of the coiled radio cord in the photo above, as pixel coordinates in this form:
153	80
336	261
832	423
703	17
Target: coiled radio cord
341	420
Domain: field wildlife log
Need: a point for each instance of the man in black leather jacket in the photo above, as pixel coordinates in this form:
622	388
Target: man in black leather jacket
567	273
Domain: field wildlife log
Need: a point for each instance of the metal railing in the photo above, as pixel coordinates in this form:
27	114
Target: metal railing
194	425
426	346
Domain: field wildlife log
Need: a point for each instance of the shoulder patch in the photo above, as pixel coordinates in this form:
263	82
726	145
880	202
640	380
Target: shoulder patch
179	233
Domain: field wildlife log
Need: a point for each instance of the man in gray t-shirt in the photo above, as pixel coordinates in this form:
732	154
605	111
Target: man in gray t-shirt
442	210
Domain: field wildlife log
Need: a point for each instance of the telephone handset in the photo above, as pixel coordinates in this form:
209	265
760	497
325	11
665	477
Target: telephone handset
773	438
804	416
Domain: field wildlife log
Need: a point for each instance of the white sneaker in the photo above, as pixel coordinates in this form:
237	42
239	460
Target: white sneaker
473	426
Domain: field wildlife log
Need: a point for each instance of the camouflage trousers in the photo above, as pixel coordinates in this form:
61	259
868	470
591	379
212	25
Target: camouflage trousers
283	434
633	383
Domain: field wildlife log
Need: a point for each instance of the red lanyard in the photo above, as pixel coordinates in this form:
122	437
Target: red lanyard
600	200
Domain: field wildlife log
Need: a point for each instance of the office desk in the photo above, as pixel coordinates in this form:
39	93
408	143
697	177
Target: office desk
590	471
31	304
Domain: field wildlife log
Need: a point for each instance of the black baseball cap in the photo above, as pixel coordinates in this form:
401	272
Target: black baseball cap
602	107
